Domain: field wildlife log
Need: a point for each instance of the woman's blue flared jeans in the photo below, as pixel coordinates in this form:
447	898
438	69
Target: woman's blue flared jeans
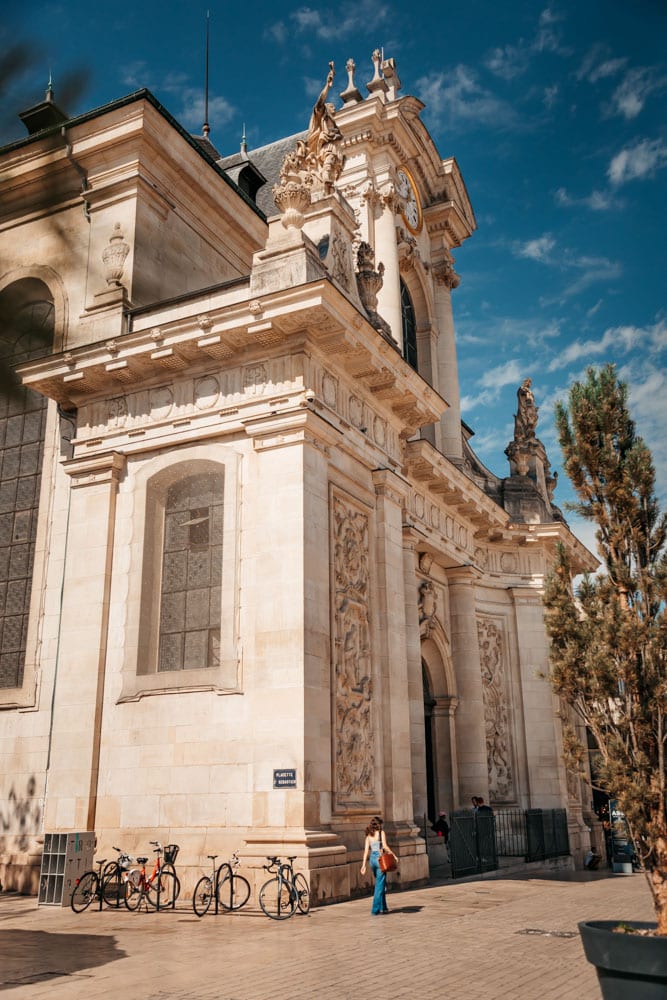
380	894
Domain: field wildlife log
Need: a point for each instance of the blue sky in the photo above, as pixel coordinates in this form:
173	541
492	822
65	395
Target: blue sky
555	114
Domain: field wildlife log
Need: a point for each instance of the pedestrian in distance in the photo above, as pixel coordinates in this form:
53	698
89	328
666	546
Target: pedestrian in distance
374	845
441	826
482	807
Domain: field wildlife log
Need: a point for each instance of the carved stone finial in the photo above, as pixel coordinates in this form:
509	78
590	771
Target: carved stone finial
114	256
351	94
391	78
378	84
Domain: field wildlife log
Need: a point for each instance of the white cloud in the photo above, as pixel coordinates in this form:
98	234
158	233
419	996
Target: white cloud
457	96
550	95
614	341
597	201
508	62
631	94
329	24
506	374
537	249
636	162
599	64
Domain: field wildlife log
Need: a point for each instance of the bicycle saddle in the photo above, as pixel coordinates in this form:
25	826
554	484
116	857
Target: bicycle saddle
142	861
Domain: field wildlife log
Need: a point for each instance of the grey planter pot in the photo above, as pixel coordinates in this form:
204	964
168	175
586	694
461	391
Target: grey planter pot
629	967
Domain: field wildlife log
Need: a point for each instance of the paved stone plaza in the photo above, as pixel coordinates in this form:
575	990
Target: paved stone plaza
499	939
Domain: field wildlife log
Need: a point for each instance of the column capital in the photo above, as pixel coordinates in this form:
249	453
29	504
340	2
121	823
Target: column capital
91	470
463	575
444	273
390	485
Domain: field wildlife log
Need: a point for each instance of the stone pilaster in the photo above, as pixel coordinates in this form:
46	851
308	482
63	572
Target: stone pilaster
546	774
415	681
80	671
392	636
473	776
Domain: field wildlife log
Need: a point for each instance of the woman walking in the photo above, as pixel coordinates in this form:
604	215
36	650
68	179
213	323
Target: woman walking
374	845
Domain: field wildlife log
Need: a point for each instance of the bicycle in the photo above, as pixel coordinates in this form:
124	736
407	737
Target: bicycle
162	888
107	885
230	890
286	892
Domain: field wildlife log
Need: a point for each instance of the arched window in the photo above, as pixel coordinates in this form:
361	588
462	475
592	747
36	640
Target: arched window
182	600
26	331
409	328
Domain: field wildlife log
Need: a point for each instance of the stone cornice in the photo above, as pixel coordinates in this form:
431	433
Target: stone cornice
430	470
228	329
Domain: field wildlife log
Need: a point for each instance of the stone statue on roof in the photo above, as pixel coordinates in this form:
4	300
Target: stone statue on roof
525	420
324	138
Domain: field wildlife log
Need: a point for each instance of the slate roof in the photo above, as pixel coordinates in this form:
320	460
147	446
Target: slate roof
268	160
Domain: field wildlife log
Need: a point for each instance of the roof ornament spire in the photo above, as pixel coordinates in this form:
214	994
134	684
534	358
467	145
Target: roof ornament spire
205	127
244	143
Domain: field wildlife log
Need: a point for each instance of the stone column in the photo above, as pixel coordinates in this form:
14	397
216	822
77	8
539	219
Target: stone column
386	252
80	671
446	279
470	728
444	738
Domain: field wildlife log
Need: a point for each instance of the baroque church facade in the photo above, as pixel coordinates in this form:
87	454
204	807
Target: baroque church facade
256	586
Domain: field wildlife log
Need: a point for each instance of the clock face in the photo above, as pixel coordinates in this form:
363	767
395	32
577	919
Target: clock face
410	207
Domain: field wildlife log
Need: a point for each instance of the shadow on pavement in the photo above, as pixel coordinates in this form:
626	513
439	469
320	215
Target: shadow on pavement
38	956
406	909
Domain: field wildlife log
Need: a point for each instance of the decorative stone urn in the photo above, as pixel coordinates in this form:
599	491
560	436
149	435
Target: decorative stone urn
292	199
114	256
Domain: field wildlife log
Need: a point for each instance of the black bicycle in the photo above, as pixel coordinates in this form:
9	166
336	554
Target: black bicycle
224	886
286	892
106	885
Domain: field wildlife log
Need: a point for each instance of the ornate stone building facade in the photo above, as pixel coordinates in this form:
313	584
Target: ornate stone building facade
242	526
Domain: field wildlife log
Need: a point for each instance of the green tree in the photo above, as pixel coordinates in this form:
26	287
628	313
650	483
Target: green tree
609	639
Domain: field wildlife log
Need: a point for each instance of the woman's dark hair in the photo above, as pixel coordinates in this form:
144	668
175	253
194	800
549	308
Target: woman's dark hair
374	826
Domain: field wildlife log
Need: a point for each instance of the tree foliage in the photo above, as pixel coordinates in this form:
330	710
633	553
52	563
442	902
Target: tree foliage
609	640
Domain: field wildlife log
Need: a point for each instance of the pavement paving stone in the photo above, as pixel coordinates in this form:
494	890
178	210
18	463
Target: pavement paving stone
501	940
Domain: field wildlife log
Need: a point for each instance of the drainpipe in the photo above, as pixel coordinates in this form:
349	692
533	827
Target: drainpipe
80	171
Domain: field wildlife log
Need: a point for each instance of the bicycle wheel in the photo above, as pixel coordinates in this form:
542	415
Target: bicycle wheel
277	899
169	887
133	894
113	886
233	892
201	899
302	892
85	891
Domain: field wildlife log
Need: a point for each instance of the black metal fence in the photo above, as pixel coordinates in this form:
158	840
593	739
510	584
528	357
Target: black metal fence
477	840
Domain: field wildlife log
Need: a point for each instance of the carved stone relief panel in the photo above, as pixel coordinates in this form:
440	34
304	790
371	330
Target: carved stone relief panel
354	757
496	710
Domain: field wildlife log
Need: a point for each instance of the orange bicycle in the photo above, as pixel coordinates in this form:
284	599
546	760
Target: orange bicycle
162	888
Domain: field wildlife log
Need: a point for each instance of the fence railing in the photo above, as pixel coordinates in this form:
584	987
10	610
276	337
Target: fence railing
477	840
